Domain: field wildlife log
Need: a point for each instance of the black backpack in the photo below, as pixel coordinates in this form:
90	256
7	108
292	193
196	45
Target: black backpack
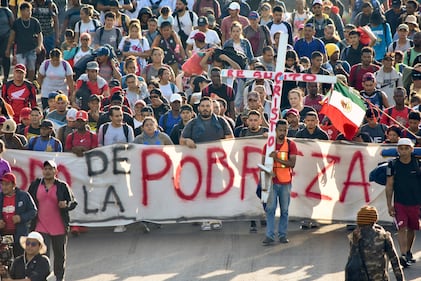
82	96
80	67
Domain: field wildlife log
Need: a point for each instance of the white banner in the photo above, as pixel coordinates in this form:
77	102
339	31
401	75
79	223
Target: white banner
121	184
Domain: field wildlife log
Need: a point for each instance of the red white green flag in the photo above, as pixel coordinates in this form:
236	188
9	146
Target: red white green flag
345	110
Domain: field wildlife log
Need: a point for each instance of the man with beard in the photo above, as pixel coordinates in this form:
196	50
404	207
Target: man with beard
184	20
413	52
254	125
205	127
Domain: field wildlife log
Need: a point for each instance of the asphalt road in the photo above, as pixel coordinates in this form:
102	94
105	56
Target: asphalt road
182	252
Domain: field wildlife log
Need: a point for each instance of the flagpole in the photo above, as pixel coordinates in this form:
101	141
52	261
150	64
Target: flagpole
390	117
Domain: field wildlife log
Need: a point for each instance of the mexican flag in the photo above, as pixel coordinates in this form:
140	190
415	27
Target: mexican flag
345	110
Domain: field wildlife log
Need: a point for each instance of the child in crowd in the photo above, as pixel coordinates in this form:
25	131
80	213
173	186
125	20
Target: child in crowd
165	15
69	43
152	31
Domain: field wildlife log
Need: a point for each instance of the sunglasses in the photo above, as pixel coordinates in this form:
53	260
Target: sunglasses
32	244
154	97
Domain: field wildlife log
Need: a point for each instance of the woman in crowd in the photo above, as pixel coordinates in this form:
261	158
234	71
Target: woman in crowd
151	134
151	70
238	42
158	103
170	43
55	74
296	100
165	85
135	44
87	23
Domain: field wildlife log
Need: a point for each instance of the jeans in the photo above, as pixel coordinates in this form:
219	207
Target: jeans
281	193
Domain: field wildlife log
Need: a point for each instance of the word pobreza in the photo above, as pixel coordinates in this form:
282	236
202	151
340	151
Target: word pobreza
278	76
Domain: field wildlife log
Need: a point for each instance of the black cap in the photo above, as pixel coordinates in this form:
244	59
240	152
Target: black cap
396	3
117	97
47	124
50	163
94	98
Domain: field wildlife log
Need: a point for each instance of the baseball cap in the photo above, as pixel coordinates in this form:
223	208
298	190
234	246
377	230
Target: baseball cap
200	79
405	141
254	15
71	114
52	95
200	36
20	67
176	97
317	2
202	21
117	97
94	98
140	102
50	163
187	107
102	51
25	113
403	26
92	65
292	111
62	97
9	177
83	115
396	3
369	77
113	3
47	124
234	6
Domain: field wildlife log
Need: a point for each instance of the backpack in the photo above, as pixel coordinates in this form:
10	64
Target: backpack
181	33
125	129
82	96
97	24
117	32
355	269
395	44
378	174
47	64
80	67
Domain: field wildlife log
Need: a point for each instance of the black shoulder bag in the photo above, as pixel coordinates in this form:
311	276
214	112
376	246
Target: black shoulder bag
355	262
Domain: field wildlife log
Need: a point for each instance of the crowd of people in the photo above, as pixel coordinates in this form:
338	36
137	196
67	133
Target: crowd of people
90	73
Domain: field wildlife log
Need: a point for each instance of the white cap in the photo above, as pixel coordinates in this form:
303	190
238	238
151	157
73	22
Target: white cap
176	97
71	114
234	6
320	2
405	141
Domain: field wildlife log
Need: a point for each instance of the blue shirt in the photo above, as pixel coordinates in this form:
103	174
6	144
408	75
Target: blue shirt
168	121
305	49
384	39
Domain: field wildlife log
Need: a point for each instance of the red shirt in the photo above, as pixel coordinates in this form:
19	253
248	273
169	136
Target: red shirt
8	211
19	97
292	151
88	140
399	115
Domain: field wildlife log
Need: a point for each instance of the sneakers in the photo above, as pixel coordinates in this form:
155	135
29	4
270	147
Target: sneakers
120	228
206	226
253	227
268	241
283	239
404	262
409	257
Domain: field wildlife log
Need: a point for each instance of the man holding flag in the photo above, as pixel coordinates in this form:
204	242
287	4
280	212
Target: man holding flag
345	109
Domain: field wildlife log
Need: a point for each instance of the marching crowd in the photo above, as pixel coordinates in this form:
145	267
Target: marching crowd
90	73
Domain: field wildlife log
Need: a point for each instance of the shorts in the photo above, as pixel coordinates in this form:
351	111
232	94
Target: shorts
29	58
407	216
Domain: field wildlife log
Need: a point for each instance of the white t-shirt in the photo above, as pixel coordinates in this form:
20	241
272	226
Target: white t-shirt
211	37
88	27
186	22
167	90
278	27
114	135
54	77
136	45
80	54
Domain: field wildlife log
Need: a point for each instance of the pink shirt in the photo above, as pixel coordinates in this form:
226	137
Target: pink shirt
49	217
226	25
